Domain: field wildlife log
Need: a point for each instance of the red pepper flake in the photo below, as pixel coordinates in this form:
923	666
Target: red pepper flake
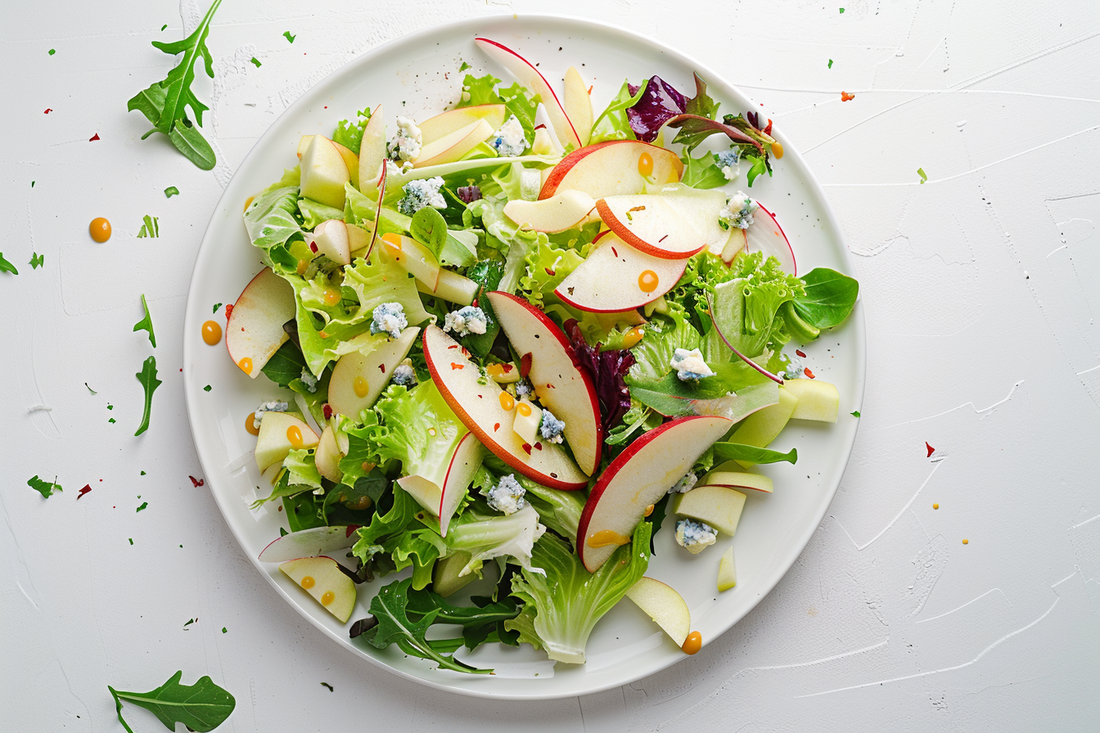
662	239
525	365
931	450
550	272
538	446
809	374
800	352
382	368
326	410
550	386
228	311
313	247
465	352
540	127
553	475
527	447
93	138
82	492
506	368
197	481
496	427
768	129
453	346
614	251
590	90
351	529
48	110
846	97
457	366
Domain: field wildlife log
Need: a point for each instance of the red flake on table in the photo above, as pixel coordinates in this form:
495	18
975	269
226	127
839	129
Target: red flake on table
457	366
326	410
527	447
351	529
85	490
800	352
382	368
48	110
525	365
93	138
197	481
846	97
809	374
931	450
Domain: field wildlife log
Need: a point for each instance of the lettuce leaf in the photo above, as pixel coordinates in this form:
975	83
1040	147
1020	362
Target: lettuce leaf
313	213
746	307
301	469
270	219
350	133
418	428
735	391
613	123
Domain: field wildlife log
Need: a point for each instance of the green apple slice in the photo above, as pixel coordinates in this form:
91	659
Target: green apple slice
323	579
763	426
817	400
730	475
664	605
718	506
727	571
328	456
324	173
279	434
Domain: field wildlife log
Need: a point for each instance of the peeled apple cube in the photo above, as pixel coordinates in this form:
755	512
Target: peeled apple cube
817	400
727	571
528	417
718	506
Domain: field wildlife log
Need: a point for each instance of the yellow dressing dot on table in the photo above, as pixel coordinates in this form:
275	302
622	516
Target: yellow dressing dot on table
693	643
966	542
935	506
211	333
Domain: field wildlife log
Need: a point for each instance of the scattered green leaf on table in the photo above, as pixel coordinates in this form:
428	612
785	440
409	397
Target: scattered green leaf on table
922	174
170	192
44	487
201	707
288	37
146	323
150	227
37	260
6	266
256	62
752	454
148	378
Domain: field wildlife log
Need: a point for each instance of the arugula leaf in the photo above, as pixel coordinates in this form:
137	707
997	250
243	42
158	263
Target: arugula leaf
752	454
736	390
201	707
37	260
148	378
830	297
43	487
165	103
6	266
146	323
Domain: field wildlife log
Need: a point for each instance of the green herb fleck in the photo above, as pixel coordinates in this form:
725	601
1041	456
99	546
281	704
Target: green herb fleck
225	630
37	260
206	388
32	184
216	306
90	389
151	227
464	66
143	473
146	323
830	63
855	413
111	420
170	192
131	542
6	266
110	406
142	507
842	11
165	102
922	174
44	487
325	684
163	27
256	61
52	51
287	36
189	622
148	378
201	707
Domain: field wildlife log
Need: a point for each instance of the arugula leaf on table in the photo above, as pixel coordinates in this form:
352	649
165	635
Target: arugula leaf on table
37	260
202	706
44	487
752	454
6	266
148	378
170	192
146	323
164	103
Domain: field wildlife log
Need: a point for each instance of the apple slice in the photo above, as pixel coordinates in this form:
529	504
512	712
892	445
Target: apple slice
307	543
531	78
279	434
443	500
334	241
817	400
418	260
479	408
565	210
564	388
727	571
324	173
616	277
328	455
447	122
359	241
254	330
652	225
358	379
637	479
700	207
351	160
578	105
664	605
613	168
718	506
730	475
734	244
453	146
323	579
372	152
765	235
763	426
451	287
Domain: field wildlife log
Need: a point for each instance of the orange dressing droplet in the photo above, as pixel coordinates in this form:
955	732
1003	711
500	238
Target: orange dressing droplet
361	387
645	165
507	401
649	510
633	336
250	425
648	281
308	582
294	435
332	297
693	643
248	202
246	365
524	409
777	149
327	597
100	229
966	542
935	506
606	537
211	333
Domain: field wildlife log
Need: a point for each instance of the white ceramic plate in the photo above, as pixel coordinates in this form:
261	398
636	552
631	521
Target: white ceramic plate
419	74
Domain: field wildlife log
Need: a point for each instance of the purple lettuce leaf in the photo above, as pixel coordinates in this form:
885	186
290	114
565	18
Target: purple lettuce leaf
661	102
608	370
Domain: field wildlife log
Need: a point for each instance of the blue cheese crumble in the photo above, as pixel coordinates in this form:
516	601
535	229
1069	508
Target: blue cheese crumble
738	212
729	163
507	495
308	379
524	388
404	374
684	485
269	406
465	321
694	536
389	318
420	193
551	428
406	143
689	365
509	140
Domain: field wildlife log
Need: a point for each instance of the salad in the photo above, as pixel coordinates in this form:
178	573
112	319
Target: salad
514	341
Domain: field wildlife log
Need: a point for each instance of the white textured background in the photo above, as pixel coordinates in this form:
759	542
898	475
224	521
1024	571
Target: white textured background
981	295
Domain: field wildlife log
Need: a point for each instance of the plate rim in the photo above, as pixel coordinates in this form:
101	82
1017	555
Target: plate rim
856	324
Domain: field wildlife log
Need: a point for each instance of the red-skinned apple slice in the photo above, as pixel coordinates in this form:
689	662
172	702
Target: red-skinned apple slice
333	241
731	476
652	225
478	407
566	210
765	235
372	153
453	146
465	461
637	479
578	104
533	79
254	331
701	208
445	123
307	543
566	390
613	168
612	277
